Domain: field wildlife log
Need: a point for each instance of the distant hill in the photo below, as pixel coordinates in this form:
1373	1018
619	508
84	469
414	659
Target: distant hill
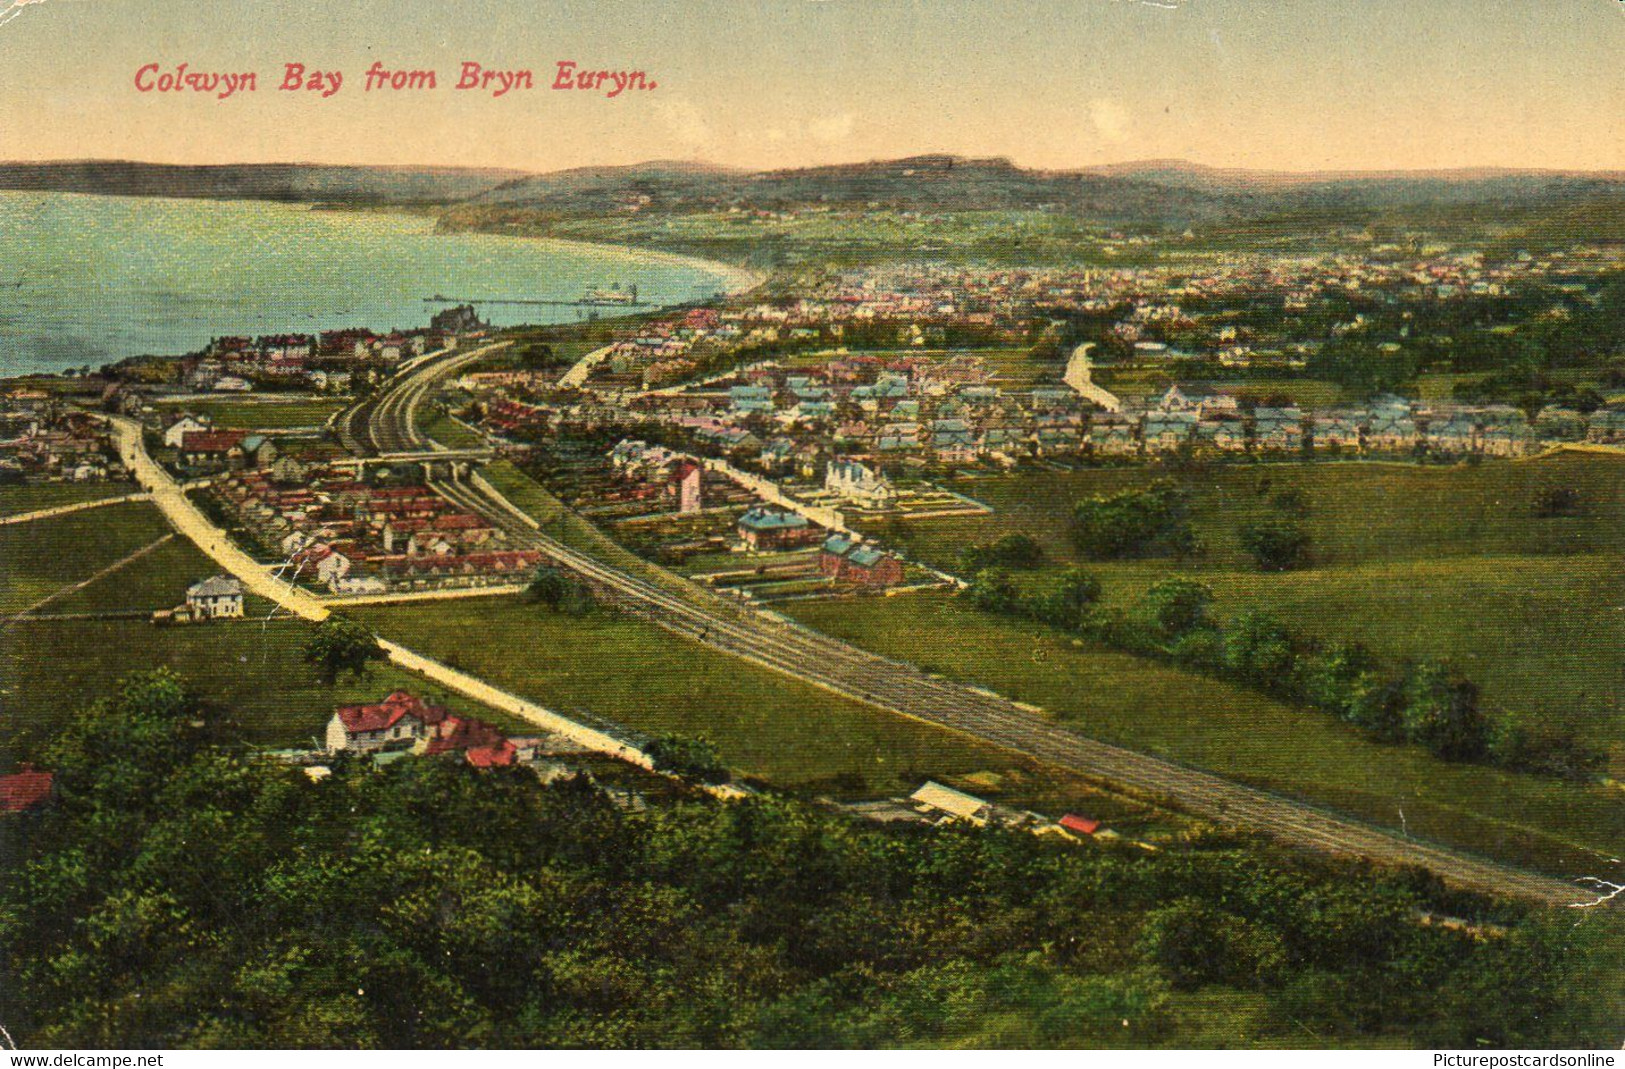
1288	190
1149	193
1165	192
275	181
919	183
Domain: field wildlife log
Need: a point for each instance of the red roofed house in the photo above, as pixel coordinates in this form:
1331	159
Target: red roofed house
482	745
396	723
216	449
1081	825
25	789
404	721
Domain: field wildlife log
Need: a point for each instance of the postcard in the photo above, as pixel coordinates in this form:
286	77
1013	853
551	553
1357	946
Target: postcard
861	524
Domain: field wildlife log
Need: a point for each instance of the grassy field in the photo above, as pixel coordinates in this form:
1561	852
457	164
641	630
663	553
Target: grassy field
252	668
43	556
1415	561
1211	724
1420	561
610	667
16	500
158	580
447	431
263	415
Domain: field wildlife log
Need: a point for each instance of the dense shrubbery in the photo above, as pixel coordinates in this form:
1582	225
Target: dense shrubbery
559	592
1020	551
1278	543
695	759
183	893
1135	523
1422	702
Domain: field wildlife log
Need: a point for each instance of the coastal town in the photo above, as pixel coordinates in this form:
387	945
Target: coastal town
783	430
929	548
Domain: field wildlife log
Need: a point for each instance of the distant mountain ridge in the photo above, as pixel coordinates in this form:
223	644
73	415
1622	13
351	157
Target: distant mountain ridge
1164	192
255	181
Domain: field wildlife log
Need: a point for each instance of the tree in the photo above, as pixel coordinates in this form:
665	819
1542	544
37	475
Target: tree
691	758
340	645
1135	523
1070	601
1277	544
994	591
1179	605
1441	712
559	592
547	587
1020	551
1260	650
1521	743
1194	943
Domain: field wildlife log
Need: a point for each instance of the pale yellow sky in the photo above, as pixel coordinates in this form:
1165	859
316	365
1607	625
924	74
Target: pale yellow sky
1280	84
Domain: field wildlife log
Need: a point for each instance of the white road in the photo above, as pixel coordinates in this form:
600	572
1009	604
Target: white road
191	522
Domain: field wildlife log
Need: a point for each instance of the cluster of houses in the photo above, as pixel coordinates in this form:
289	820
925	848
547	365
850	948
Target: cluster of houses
326	361
656	476
403	723
875	412
42	441
356	537
202	449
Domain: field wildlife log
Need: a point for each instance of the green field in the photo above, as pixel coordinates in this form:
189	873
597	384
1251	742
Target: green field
251	667
634	674
158	580
43	556
34	497
1415	561
263	415
447	431
1558	826
610	667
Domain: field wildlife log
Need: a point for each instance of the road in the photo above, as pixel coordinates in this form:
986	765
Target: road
1080	377
186	518
785	647
582	369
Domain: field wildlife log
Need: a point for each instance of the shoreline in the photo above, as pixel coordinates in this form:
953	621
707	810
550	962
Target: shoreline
732	280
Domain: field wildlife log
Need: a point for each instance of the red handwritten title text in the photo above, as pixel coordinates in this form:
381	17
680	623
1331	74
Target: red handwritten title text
321	84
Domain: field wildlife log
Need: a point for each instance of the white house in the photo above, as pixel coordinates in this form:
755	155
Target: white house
397	722
217	598
853	481
184	425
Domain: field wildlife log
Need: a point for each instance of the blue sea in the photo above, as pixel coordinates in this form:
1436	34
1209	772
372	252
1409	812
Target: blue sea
86	280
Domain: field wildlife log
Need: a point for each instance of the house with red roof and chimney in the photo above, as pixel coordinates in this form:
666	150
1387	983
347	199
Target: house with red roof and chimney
399	722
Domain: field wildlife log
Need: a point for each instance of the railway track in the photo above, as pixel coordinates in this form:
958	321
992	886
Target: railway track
783	646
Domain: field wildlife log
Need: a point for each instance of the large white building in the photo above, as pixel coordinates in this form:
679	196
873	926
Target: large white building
852	481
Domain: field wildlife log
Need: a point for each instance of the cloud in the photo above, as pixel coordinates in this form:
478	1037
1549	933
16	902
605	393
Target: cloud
1111	120
835	128
686	122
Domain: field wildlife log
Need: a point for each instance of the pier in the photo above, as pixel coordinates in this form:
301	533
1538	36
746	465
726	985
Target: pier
581	302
